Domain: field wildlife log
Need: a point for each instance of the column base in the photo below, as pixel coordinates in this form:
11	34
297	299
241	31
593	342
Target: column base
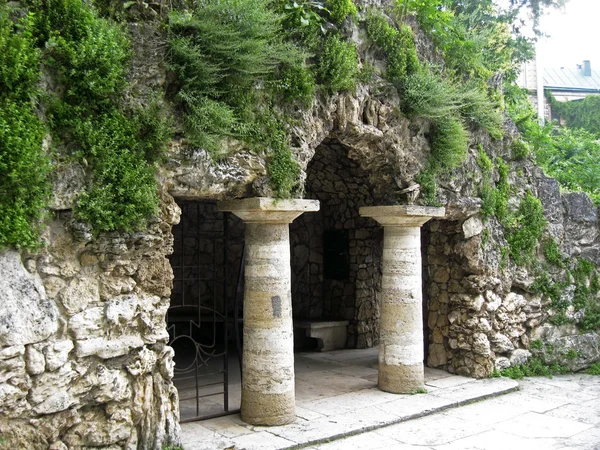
268	409
401	379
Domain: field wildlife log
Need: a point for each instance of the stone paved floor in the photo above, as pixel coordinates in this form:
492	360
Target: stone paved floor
336	396
546	414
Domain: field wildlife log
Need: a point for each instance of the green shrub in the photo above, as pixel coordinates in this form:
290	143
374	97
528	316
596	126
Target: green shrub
397	44
594	369
448	143
338	67
283	169
340	9
484	162
502	192
536	344
426	94
91	56
207	122
24	168
527	229
154	129
19	58
494	200
221	51
519	149
427	179
122	194
222	48
552	253
477	108
487	193
367	72
585	297
551	289
296	83
303	20
488	201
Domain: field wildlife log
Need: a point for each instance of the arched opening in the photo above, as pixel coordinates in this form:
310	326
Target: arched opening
336	254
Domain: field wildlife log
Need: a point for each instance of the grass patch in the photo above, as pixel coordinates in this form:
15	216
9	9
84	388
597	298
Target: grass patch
534	367
594	369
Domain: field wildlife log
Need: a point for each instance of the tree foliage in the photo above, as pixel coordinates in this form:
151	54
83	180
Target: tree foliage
583	113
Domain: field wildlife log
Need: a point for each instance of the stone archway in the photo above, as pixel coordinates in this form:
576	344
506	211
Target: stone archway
336	253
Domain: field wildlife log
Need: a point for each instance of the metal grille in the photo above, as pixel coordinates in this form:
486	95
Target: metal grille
199	319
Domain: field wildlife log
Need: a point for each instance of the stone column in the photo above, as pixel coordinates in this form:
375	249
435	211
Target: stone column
401	323
268	396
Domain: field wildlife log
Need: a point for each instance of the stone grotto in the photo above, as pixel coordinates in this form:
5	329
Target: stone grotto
102	336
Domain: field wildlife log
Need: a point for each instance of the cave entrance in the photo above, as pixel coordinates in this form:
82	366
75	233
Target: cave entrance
204	317
336	257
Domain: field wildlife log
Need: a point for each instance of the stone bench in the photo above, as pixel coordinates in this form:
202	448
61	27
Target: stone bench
330	335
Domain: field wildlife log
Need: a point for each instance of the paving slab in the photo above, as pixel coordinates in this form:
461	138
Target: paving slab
585	412
498	440
263	440
537	425
586	440
335	380
327	412
360	442
486	413
448	381
438	431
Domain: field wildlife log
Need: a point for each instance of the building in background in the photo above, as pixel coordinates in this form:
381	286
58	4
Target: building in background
565	84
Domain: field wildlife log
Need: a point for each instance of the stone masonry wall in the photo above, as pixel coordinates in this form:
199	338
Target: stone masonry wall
83	355
482	311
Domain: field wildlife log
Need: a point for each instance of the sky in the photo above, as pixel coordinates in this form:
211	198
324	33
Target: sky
574	35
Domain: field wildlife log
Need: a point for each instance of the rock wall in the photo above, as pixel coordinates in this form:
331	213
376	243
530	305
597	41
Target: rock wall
483	311
83	359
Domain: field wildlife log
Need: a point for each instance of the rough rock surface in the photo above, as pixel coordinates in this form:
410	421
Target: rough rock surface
83	356
482	311
84	360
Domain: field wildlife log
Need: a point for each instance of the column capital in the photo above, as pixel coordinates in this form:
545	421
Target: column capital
267	210
402	215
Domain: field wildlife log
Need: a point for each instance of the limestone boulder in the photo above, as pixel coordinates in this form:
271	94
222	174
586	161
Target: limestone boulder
576	351
581	222
80	292
26	315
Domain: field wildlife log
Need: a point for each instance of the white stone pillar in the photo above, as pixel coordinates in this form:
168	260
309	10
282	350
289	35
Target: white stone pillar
401	321
268	396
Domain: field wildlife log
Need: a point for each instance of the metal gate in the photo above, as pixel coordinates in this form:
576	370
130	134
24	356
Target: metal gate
202	319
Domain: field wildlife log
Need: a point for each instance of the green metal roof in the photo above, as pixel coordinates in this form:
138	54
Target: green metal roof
571	80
